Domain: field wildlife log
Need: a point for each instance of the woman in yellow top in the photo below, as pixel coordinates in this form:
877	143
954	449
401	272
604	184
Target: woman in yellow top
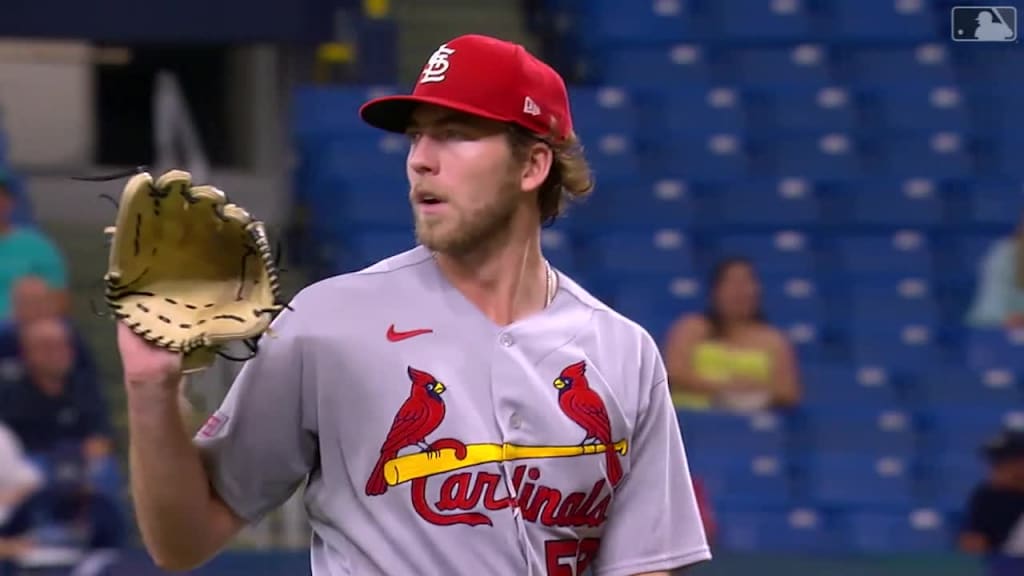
729	357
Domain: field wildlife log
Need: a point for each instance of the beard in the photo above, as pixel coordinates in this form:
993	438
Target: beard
463	231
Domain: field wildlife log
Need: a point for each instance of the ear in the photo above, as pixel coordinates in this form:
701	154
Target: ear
535	170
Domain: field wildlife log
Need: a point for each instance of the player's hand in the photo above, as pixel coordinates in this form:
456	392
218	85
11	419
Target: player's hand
146	365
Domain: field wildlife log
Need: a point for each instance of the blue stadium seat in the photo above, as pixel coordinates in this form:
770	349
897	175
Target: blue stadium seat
775	203
949	477
613	156
618	23
881	21
791	301
869	482
743	435
861	431
717	158
835	156
803	65
603	110
965	428
951	386
698	112
738	20
800	530
734	481
333	111
920	108
903	347
937	155
657	302
893	66
789	252
657	252
996	203
830	386
655	68
892	203
995	349
809	110
922	530
904	254
623	204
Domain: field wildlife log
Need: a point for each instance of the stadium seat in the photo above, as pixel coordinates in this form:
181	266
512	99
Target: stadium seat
657	302
651	252
788	252
742	20
824	156
735	481
880	21
903	254
334	111
996	203
802	530
921	530
799	65
656	68
808	110
836	386
862	432
865	481
926	63
995	349
774	203
743	435
890	204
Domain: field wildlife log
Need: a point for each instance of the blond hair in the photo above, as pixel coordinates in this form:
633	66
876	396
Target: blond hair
570	178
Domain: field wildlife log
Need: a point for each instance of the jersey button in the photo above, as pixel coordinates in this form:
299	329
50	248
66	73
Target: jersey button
506	340
515	420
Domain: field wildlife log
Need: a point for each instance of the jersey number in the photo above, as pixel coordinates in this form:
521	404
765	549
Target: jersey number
563	555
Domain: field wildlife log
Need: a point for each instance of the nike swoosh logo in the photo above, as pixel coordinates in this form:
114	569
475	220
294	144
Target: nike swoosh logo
396	336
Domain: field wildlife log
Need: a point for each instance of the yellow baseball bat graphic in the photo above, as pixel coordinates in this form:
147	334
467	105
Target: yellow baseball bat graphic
420	465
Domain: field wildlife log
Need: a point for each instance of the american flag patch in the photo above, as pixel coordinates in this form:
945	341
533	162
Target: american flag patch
213	424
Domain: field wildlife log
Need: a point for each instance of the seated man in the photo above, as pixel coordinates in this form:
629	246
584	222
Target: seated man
63	424
33	299
994	525
52	406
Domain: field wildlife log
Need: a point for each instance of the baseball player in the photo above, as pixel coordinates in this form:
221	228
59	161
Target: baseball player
458	408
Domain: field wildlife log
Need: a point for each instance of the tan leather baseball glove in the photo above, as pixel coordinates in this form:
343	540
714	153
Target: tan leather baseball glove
188	270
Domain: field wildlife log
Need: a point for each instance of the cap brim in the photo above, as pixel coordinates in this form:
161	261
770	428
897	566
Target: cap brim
393	113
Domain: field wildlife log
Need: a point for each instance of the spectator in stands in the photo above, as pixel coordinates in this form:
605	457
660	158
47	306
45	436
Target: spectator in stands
999	296
994	520
63	424
51	407
19	480
25	251
33	299
729	357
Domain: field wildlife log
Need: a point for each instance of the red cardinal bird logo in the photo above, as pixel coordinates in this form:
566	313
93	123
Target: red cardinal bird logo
584	407
420	414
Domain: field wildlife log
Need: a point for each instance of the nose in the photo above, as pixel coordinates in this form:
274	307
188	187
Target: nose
423	157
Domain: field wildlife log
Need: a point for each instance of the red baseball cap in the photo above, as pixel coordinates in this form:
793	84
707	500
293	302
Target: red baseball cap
486	77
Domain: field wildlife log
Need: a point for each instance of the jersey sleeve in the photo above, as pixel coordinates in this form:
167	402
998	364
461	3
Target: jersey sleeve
654	523
261	443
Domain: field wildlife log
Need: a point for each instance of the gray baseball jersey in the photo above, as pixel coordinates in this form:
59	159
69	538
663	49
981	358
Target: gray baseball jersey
434	441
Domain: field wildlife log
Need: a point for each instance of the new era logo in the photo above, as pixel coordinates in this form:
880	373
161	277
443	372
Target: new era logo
530	107
984	24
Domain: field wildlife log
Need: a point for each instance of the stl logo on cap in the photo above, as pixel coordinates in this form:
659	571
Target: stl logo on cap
437	65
